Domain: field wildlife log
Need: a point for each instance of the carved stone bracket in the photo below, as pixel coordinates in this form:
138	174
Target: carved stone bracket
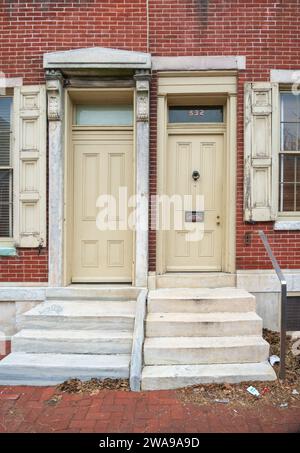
142	79
54	84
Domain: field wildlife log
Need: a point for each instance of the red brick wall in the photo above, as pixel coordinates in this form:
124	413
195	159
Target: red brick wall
29	28
266	32
29	266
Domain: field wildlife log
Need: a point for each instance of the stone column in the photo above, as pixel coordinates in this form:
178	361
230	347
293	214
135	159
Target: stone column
54	87
142	177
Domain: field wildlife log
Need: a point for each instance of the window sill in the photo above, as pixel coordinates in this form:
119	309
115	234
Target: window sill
7	248
287	225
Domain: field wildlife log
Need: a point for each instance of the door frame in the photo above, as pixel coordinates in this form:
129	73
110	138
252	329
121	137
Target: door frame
215	85
69	176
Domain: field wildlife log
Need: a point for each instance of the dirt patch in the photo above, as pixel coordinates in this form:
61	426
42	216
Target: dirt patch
278	393
93	386
54	400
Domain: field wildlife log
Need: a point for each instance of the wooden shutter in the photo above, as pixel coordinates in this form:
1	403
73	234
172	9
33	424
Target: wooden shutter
29	127
260	183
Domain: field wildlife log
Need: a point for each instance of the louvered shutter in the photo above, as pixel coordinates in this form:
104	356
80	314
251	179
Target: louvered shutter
260	183
30	166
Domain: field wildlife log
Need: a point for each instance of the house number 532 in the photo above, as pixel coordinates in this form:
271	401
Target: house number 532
196	112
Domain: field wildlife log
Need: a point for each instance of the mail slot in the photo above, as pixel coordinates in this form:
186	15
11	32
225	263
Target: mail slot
194	216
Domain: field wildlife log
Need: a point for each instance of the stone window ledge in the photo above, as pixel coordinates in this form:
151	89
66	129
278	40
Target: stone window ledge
7	250
287	225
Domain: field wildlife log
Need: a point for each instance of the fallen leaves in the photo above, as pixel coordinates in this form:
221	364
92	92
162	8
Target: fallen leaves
278	393
93	386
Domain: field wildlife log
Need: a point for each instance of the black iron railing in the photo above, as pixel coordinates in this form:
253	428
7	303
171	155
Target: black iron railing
283	302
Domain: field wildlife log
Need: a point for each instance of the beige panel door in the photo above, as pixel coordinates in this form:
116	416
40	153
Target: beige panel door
102	164
202	153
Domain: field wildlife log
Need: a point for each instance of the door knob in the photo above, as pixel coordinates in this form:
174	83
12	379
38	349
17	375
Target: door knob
195	175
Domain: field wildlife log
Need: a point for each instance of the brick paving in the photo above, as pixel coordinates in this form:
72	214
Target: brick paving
36	410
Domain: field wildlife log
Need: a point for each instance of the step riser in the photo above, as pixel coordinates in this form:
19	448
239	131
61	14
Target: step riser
117	323
175	379
202	329
201	305
66	346
50	369
190	356
52	376
70	293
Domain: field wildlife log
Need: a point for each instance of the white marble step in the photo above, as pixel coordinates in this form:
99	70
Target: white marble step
72	341
92	315
202	324
92	292
20	368
200	350
200	300
176	376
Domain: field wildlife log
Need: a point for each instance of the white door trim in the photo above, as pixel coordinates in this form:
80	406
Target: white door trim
58	142
200	84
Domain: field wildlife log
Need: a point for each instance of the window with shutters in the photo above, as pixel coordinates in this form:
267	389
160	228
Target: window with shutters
289	156
6	169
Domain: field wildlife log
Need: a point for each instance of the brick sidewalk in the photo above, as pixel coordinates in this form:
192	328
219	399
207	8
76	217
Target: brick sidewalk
28	409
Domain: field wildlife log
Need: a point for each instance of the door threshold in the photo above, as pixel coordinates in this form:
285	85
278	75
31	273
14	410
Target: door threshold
99	285
195	280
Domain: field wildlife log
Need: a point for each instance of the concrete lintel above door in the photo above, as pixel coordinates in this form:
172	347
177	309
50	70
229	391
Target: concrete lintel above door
97	58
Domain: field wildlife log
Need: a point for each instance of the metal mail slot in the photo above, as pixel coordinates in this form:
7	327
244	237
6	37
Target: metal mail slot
194	216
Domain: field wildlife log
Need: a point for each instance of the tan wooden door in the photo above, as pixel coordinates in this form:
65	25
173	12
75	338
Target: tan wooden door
204	154
103	162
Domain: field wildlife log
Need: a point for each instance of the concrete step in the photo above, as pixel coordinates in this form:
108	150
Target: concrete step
72	341
200	300
20	368
200	350
176	376
202	324
91	315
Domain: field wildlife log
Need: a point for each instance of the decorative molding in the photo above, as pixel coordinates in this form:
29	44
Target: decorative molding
198	63
142	95
142	104
54	83
142	176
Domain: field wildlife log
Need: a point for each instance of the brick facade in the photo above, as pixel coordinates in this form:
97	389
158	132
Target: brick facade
266	32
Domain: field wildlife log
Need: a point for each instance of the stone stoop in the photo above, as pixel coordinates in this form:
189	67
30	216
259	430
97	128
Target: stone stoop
203	335
83	336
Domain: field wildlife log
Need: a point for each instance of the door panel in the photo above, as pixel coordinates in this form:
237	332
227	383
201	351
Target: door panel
102	164
203	153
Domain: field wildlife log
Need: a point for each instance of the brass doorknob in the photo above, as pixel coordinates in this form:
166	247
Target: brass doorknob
195	175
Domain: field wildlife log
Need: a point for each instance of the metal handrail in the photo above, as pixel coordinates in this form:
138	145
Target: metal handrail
282	304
